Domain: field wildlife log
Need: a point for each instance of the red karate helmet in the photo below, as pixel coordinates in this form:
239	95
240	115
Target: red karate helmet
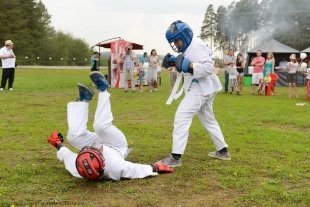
90	163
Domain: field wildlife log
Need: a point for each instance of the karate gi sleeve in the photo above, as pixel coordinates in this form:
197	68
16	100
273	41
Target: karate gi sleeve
68	158
203	69
135	171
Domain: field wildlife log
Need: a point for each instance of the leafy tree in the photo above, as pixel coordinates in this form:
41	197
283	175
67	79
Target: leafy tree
246	22
63	49
28	24
10	21
243	19
221	38
208	25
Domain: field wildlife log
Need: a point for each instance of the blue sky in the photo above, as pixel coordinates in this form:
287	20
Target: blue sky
140	21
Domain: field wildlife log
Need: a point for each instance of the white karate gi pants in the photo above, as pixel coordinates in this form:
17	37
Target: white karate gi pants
193	103
114	142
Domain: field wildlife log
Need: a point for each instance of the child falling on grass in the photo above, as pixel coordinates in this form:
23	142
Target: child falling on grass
232	76
103	151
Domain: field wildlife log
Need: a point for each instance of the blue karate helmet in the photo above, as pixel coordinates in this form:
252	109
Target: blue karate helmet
179	30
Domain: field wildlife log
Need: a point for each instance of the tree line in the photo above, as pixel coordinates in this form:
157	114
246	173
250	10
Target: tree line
247	23
241	26
28	24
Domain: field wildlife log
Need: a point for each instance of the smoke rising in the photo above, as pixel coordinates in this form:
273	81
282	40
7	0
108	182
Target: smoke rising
250	22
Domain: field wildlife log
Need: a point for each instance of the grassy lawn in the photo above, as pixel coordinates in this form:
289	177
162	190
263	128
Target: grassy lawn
268	138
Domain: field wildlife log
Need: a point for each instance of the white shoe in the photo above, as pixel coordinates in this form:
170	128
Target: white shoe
11	89
1	89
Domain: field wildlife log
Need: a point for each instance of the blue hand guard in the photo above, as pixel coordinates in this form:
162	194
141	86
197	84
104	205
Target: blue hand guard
182	64
172	59
168	61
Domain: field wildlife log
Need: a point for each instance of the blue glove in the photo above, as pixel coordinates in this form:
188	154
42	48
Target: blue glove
182	64
168	61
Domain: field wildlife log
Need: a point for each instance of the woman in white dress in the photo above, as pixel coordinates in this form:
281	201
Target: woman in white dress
152	72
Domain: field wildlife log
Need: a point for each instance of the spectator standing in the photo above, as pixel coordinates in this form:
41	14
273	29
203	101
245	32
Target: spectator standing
307	73
152	72
283	64
95	62
269	68
240	65
8	60
258	63
232	76
144	58
158	74
129	58
292	68
269	64
230	58
172	76
141	74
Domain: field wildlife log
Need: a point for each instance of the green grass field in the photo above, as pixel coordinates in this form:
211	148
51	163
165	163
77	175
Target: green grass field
268	138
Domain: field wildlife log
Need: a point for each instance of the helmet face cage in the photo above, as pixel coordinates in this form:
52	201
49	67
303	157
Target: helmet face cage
90	163
179	30
174	48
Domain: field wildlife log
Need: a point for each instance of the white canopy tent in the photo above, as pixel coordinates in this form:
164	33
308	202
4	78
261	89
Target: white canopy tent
281	54
273	46
307	50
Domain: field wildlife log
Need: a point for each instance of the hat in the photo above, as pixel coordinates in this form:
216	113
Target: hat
8	42
293	56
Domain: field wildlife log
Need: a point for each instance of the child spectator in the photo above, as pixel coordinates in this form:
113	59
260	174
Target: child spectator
172	76
264	82
292	68
232	77
141	73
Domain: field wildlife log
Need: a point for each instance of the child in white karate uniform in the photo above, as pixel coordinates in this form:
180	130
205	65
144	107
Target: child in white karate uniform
201	84
106	147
